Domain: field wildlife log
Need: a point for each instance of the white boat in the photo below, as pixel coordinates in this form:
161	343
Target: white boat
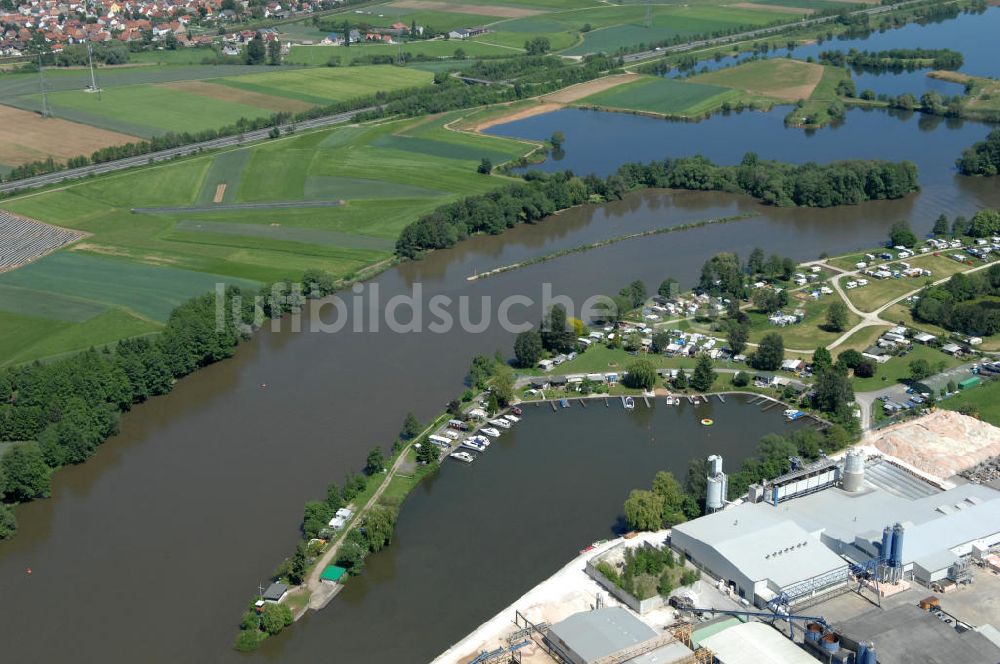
671	401
491	432
500	422
462	456
473	444
512	418
629	403
481	440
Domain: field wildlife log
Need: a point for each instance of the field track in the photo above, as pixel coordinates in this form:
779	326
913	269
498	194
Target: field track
277	205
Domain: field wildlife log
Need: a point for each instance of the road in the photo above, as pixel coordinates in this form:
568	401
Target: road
171	153
754	34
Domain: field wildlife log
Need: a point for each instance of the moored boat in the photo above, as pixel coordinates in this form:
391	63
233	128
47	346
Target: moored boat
500	422
462	456
491	432
473	444
512	418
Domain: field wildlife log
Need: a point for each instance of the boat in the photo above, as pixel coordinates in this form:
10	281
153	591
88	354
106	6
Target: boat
512	418
481	440
671	401
462	456
517	411
564	403
629	403
473	444
793	414
500	422
491	432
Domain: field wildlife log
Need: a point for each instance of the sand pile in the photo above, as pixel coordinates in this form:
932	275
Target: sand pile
942	443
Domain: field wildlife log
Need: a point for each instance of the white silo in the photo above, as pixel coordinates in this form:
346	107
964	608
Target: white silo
854	471
717	485
714	465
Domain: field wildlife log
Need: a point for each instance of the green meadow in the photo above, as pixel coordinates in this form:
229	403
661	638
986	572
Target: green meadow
327	85
126	276
655	94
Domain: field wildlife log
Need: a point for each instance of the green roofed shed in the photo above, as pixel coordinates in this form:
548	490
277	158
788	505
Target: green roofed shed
332	573
969	382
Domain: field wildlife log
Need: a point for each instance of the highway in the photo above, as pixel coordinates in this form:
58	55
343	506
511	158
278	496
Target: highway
754	34
163	155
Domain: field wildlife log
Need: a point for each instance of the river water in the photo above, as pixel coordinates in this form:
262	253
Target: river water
973	34
149	551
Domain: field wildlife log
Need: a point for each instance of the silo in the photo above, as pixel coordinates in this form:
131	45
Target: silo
886	550
897	545
871	657
854	472
813	632
861	657
713	495
714	465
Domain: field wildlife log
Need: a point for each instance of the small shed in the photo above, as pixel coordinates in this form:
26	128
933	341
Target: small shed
332	573
275	592
969	382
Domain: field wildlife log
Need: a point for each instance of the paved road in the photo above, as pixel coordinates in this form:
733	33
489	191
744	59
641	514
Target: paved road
162	155
754	34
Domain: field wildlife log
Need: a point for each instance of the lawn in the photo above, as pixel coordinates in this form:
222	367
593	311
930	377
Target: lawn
897	369
881	291
808	334
139	266
601	359
667	96
984	400
327	85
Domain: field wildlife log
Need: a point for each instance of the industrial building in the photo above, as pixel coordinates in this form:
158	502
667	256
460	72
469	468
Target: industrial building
594	636
800	534
755	643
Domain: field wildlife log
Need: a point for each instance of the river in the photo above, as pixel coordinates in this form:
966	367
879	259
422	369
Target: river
970	33
149	551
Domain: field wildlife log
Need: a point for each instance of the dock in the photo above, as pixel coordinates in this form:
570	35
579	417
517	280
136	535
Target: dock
583	402
721	398
553	403
646	399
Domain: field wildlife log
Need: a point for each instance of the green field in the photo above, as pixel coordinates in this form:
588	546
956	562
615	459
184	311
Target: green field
808	334
655	94
321	55
984	400
898	368
326	85
124	278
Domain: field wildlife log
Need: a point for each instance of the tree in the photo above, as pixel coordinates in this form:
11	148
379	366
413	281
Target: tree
557	140
635	292
952	386
674	499
480	370
315	517
297	569
274	52
376	461
256	52
411	426
770	353
833	391
737	335
248	640
865	368
901	235
644	510
24	474
537	46
275	617
985	223
940	225
681	380
665	586
351	556
485	166
920	369
755	263
557	335
959	226
821	359
528	348
427	454
641	375
660	341
503	385
704	374
836	317
669	288
379	525
8	522
741	379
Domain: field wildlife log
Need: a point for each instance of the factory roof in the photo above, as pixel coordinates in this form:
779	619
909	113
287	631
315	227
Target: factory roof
599	633
763	544
755	643
933	523
672	652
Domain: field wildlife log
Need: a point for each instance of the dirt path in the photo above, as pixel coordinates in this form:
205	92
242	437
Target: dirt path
581	90
531	111
220	193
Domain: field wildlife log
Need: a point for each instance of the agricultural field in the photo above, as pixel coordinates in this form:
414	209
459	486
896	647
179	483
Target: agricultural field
777	78
327	85
316	55
124	278
666	96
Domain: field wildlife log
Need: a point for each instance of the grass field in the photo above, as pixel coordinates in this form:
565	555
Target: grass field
898	368
134	268
984	400
778	78
320	55
654	94
808	334
325	85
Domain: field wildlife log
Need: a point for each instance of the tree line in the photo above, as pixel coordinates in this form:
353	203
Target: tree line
59	413
774	183
894	60
983	157
965	303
